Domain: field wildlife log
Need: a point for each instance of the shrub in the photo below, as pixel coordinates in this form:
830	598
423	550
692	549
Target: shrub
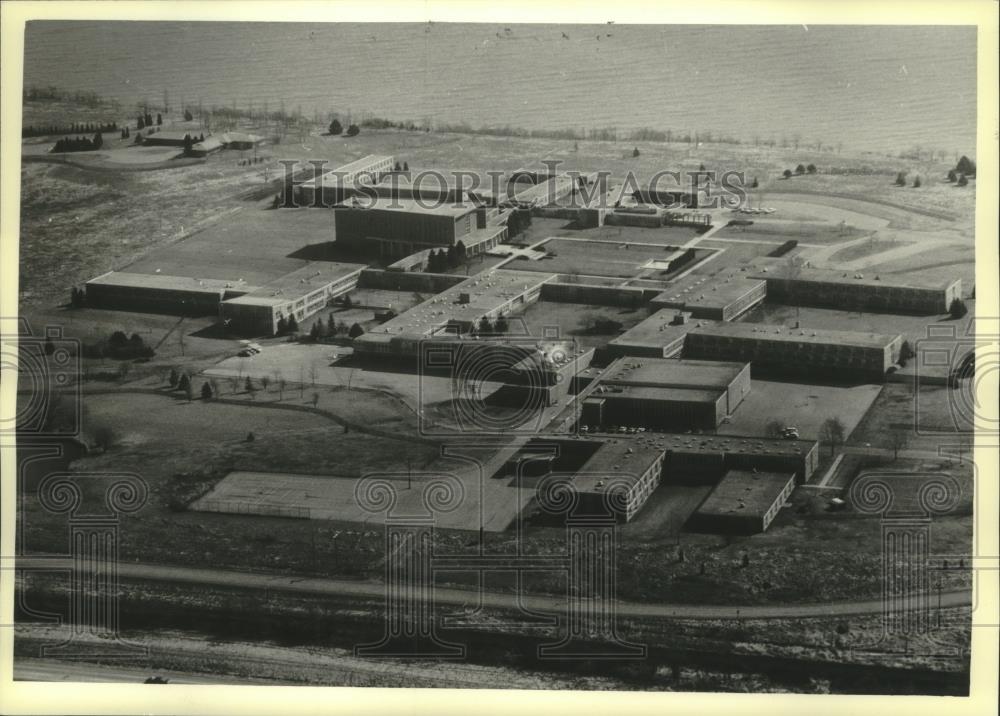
957	309
353	131
784	248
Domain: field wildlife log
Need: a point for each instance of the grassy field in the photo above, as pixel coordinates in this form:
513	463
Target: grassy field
180	449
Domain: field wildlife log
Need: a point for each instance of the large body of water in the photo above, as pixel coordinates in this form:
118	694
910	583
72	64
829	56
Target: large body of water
877	88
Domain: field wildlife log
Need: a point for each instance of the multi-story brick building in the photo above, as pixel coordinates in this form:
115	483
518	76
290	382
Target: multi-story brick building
814	352
858	292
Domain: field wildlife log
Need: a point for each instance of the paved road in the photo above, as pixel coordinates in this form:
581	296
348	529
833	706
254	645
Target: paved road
26	669
469	598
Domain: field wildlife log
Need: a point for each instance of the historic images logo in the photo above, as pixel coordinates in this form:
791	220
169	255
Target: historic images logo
312	184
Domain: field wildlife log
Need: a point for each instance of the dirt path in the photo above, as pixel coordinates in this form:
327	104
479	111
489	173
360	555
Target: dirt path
469	598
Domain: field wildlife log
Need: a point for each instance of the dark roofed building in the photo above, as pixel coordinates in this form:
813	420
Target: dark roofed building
744	502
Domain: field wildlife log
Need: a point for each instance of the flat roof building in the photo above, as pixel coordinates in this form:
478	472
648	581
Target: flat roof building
159	293
401	227
733	379
298	294
744	502
546	192
339	184
704	458
798	351
721	297
658	408
852	291
659	336
629	467
440	187
454	312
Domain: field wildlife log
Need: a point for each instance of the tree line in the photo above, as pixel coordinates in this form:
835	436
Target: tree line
78	144
76	128
337	128
799	171
441	260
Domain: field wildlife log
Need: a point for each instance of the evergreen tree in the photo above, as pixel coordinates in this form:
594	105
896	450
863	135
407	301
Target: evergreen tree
248	385
187	115
485	326
966	166
353	130
206	391
336	127
356	330
460	251
962	180
916	182
635	152
140	124
98	141
901	179
188	144
397	167
293	325
282	326
174	378
406	166
500	325
184	383
755	184
159	119
952	176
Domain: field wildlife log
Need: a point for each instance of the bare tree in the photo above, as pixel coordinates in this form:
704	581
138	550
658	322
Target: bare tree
792	271
774	428
832	432
898	439
104	437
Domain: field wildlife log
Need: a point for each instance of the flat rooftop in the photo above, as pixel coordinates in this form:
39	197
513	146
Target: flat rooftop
849	277
743	492
432	181
253	244
358	165
126	279
542	190
716	291
406	206
671	372
298	283
487	291
761	331
675	395
658	331
617	459
692	443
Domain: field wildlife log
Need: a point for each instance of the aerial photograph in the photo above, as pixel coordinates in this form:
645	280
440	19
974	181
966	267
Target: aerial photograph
600	357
